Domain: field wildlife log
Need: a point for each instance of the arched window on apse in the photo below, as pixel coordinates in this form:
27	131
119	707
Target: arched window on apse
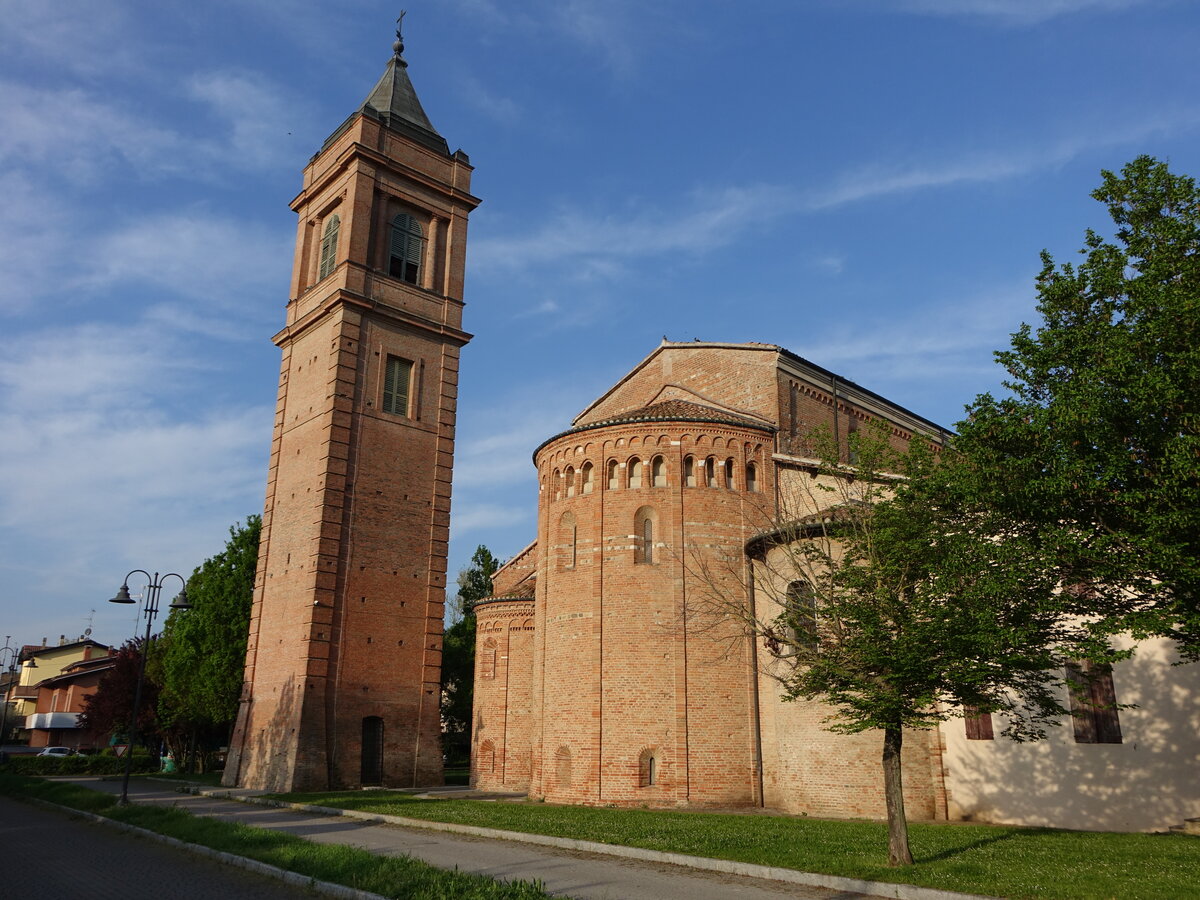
729	473
710	472
658	472
643	532
613	475
689	471
635	473
568	531
648	768
569	477
751	477
585	478
557	484
329	243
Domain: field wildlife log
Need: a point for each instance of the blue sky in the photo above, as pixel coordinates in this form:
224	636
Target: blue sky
866	182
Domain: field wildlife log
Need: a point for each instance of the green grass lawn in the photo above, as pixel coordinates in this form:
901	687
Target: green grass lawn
982	859
389	876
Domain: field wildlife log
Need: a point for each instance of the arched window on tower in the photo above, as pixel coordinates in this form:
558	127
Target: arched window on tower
658	472
643	535
635	473
585	477
689	471
404	256
613	475
329	241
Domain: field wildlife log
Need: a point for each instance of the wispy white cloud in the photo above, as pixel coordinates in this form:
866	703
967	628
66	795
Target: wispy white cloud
470	517
1020	12
880	180
715	218
113	459
486	100
611	30
194	254
952	340
85	135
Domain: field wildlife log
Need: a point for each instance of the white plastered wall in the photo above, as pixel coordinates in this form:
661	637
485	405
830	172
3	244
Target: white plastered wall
1148	782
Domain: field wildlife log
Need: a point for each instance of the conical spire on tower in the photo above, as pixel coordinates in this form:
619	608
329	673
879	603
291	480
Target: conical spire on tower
394	100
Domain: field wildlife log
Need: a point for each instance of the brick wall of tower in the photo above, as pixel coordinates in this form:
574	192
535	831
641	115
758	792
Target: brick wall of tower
347	619
632	658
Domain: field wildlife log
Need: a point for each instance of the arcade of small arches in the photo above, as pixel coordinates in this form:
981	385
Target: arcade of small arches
636	471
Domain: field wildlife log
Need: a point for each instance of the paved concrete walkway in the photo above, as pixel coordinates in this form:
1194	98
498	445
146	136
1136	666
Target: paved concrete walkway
52	855
565	873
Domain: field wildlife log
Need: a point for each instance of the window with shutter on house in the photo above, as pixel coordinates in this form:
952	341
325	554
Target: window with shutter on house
396	380
329	247
404	258
1093	701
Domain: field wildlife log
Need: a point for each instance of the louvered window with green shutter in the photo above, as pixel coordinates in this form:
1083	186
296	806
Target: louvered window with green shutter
329	247
405	253
395	386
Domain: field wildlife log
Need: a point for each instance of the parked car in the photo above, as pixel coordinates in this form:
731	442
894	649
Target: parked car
57	751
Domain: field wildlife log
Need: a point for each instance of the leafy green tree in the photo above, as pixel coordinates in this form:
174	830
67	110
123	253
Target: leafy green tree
458	652
204	648
1097	444
890	602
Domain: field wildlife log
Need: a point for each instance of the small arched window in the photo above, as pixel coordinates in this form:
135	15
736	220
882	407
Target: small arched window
689	471
329	242
613	475
557	484
585	477
751	477
635	473
710	472
729	473
569	477
404	256
648	768
658	472
643	535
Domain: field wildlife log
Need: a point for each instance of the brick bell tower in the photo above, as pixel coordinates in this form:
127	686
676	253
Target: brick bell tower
343	667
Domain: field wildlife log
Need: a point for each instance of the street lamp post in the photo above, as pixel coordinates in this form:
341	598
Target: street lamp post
150	610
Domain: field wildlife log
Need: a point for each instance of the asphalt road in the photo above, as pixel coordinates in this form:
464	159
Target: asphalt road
564	873
53	856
